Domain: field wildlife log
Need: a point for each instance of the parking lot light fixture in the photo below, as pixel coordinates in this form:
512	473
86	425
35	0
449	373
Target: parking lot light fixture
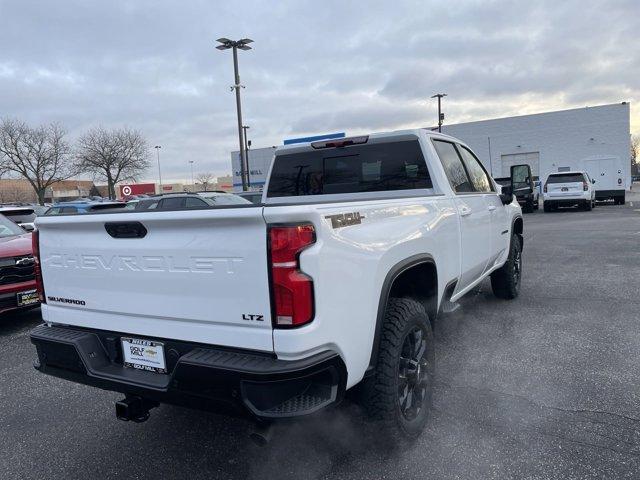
440	114
158	147
234	45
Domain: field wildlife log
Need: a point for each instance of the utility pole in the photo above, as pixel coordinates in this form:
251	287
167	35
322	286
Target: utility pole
440	114
192	184
247	144
241	44
158	147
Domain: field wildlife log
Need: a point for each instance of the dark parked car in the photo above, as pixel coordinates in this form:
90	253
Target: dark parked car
528	201
179	201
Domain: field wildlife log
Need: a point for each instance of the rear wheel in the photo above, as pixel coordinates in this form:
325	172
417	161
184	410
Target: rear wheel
505	282
398	395
547	207
588	205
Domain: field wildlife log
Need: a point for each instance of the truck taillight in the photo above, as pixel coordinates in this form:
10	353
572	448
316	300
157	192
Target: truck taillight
292	290
585	186
35	246
545	188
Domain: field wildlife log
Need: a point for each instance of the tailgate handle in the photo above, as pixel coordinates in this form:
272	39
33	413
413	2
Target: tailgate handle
125	229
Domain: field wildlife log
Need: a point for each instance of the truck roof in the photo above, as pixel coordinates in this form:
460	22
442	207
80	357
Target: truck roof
376	136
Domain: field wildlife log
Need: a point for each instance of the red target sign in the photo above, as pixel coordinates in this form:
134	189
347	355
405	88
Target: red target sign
137	189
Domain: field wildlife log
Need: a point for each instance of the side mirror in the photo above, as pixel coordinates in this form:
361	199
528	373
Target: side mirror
593	181
506	194
521	180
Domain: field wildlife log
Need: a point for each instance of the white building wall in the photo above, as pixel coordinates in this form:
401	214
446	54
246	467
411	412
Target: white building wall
563	138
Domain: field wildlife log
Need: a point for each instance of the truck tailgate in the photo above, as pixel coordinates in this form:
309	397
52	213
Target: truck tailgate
197	275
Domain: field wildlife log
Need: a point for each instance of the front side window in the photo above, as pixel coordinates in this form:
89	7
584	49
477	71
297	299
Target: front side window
374	167
453	166
479	178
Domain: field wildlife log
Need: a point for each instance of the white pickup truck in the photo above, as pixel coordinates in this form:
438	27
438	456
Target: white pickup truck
275	310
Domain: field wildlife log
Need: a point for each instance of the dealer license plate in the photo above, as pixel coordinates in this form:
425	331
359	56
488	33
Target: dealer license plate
28	297
143	355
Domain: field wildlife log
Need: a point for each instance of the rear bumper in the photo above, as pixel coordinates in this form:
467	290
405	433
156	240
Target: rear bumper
223	380
609	194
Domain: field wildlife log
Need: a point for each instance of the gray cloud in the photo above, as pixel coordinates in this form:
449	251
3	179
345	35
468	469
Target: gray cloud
353	66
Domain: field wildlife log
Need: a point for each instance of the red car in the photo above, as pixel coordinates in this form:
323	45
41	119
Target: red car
17	279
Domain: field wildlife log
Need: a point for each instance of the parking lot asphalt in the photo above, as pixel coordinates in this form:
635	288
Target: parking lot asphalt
545	386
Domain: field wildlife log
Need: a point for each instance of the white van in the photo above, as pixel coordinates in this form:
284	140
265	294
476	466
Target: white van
608	176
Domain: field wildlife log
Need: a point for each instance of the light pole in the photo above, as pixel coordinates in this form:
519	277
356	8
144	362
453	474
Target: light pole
192	184
158	147
241	44
440	114
247	143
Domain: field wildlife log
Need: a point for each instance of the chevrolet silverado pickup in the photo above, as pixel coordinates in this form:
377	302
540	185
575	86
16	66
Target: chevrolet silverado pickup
276	309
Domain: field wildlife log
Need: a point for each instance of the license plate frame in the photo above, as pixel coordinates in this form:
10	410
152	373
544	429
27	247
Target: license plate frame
27	297
143	354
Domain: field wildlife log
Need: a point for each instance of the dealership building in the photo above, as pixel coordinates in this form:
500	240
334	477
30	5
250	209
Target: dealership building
588	138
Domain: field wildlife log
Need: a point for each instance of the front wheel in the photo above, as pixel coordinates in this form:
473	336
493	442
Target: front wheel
398	394
505	282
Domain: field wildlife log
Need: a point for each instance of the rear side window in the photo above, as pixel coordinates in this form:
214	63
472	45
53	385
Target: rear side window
453	167
170	203
68	210
191	202
359	168
566	178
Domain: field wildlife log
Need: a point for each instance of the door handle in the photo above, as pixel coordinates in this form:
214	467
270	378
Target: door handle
491	208
464	211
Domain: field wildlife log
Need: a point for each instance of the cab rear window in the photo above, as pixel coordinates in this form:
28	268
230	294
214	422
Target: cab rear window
359	168
566	178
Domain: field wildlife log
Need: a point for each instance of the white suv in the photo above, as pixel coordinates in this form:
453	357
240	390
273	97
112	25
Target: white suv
568	189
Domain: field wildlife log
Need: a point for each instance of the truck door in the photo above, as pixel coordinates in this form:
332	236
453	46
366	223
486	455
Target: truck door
498	217
473	212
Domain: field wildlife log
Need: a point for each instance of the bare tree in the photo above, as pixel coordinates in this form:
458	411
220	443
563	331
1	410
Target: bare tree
205	179
114	155
41	155
635	150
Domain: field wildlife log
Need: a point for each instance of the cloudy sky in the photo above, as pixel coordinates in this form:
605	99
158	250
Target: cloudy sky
316	67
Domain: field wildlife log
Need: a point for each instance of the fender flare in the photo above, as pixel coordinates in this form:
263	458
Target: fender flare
513	228
390	278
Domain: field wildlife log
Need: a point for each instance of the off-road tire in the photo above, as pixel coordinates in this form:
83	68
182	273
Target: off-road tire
588	206
382	393
547	207
505	282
